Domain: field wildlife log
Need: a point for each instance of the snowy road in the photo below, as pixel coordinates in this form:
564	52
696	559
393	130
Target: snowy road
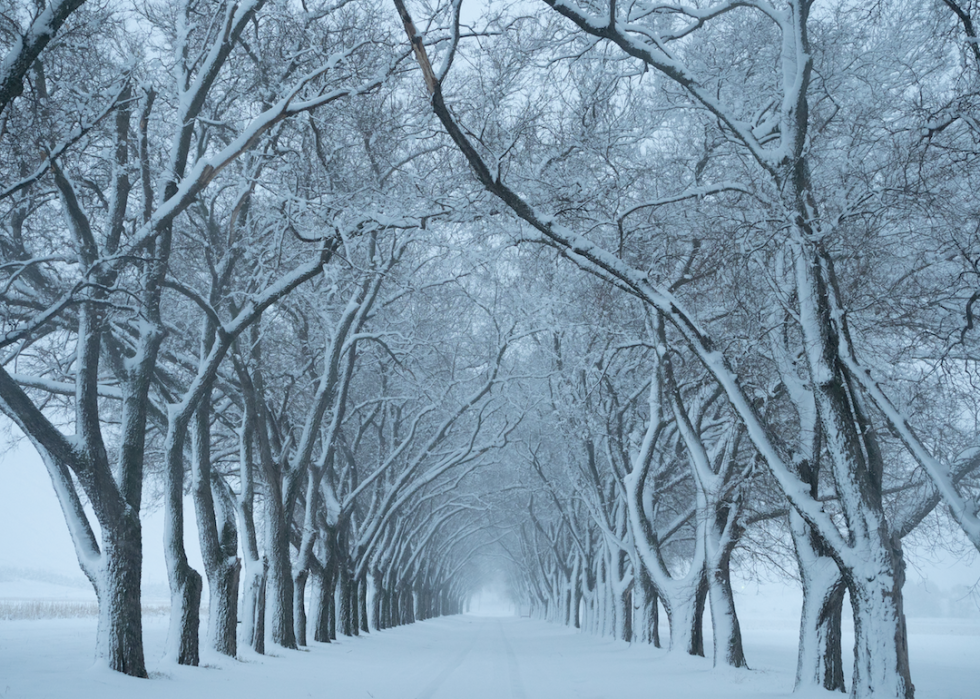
487	660
462	657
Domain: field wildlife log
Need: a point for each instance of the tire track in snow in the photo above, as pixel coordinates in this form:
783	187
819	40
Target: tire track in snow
514	669
433	687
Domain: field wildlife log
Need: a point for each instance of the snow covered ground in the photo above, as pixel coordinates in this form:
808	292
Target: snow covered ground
464	657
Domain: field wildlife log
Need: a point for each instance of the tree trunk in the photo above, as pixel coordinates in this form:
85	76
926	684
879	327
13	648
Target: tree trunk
321	629
647	626
218	537
872	565
377	600
685	612
727	633
355	607
253	604
344	612
721	536
299	606
279	602
183	638
627	606
223	602
119	638
324	576
332	608
362	590
819	662
881	656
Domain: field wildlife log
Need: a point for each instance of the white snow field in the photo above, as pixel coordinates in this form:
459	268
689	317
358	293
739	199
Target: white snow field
462	657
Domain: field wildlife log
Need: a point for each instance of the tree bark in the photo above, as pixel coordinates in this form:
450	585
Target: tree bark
279	602
881	655
186	585
119	637
819	661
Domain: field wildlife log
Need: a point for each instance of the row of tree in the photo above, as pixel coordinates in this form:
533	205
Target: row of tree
781	198
218	282
247	252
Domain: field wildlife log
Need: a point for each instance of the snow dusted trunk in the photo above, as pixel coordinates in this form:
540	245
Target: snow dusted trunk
255	565
355	607
119	637
324	626
628	623
683	598
299	605
185	583
80	464
819	662
362	604
320	613
304	556
685	613
183	646
727	634
279	597
647	612
871	563
575	598
408	604
223	583
387	619
344	609
881	656
396	604
872	567
214	507
377	600
620	583
721	538
253	604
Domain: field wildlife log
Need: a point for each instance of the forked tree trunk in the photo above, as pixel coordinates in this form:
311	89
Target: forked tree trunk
819	661
872	566
685	614
721	537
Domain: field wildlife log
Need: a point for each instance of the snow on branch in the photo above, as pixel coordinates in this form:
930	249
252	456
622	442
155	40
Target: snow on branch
28	47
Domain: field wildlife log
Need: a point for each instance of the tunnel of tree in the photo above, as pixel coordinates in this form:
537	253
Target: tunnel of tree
590	301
